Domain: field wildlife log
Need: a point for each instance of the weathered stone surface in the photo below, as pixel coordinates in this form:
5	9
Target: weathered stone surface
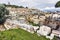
44	30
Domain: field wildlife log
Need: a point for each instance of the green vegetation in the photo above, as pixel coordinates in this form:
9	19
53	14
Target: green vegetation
33	23
14	6
54	38
3	12
57	4
19	34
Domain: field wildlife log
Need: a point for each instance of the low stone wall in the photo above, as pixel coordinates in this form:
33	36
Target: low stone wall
11	24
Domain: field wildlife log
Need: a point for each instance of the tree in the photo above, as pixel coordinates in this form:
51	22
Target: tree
21	7
3	13
57	4
26	7
13	6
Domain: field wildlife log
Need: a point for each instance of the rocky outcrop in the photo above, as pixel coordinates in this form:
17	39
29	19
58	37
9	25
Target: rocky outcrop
14	24
2	28
10	25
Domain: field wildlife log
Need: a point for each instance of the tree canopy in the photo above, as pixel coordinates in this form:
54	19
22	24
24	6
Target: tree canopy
57	4
3	12
14	6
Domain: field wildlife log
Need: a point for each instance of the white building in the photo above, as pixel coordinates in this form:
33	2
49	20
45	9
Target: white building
44	30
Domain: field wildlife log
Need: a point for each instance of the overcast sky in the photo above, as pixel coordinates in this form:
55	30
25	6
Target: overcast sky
32	3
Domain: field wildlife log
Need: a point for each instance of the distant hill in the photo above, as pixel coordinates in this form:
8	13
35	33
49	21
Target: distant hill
52	10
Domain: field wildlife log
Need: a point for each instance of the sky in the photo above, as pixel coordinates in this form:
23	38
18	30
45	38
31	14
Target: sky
40	4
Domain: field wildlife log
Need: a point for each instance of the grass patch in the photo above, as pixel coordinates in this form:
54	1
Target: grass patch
19	34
